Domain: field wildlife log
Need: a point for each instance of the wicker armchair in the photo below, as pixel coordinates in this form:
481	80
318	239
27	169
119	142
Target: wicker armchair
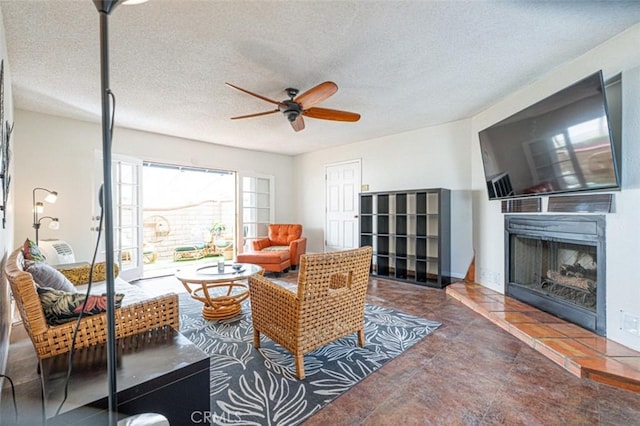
328	303
51	340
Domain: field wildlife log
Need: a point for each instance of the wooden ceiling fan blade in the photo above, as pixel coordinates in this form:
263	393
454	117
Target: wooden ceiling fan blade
298	123
316	94
257	114
331	114
255	94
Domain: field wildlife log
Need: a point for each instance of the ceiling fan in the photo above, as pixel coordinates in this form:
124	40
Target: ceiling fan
304	105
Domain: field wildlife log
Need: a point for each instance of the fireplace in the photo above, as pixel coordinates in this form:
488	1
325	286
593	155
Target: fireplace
557	264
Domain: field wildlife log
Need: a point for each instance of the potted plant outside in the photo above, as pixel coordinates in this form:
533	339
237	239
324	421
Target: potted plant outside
221	243
218	228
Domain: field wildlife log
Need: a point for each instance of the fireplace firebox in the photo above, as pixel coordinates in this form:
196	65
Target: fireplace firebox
557	264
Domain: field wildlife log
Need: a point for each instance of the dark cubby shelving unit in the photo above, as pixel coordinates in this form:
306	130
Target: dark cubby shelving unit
410	234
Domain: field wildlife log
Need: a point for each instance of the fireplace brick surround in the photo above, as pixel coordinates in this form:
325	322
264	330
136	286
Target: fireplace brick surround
577	350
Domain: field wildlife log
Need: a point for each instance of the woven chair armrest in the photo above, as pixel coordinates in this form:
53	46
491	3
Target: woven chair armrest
269	295
79	275
151	314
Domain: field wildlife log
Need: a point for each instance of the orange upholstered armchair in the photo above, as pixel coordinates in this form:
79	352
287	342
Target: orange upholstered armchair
284	237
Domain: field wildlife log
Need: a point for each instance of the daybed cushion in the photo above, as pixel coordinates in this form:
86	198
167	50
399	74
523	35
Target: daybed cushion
60	306
47	276
132	293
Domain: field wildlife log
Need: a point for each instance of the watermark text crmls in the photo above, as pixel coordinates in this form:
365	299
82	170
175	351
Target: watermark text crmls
207	417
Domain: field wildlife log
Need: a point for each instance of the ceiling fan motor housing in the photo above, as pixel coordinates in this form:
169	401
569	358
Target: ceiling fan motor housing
291	110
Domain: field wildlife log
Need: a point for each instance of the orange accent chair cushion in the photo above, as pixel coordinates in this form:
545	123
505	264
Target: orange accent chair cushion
271	261
284	237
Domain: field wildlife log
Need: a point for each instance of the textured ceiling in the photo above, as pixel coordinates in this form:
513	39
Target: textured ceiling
402	65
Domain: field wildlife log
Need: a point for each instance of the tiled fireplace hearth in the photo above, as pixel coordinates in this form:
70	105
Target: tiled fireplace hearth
579	351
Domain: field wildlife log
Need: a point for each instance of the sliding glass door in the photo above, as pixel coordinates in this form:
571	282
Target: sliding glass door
165	215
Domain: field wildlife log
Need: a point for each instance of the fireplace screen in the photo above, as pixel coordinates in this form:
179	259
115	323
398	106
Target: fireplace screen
561	270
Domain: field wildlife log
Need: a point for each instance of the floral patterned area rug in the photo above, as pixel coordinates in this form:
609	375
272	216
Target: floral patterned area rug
258	386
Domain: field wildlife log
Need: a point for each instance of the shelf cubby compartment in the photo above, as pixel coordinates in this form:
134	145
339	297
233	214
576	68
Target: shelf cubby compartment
366	224
421	271
383	245
383	204
382	266
411	203
421	248
427	272
432	268
432	203
421	226
401	246
432	247
383	224
366	204
432	225
401	269
411	246
411	224
421	203
401	204
401	225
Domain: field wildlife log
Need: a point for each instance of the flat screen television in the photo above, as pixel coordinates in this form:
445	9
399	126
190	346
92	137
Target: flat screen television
560	144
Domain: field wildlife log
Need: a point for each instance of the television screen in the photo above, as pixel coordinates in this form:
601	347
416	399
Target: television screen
560	144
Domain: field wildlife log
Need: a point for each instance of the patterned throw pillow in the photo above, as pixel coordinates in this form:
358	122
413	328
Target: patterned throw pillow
79	275
47	276
31	251
60	307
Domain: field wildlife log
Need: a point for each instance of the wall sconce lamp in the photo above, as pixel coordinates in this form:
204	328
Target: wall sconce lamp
38	209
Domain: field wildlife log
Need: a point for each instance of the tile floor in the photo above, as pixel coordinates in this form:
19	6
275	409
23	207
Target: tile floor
469	371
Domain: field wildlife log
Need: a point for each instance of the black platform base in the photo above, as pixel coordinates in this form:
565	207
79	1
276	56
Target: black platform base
158	372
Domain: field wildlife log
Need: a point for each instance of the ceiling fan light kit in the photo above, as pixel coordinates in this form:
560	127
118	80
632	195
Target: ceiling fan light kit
296	106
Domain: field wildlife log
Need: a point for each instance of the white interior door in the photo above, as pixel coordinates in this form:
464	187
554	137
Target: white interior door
342	226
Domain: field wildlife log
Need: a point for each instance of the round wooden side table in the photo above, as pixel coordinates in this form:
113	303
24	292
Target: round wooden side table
201	284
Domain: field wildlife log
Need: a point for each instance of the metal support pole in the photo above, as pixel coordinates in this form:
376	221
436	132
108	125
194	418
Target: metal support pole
108	210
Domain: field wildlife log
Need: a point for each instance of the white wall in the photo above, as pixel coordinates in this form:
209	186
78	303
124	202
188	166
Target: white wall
58	154
6	232
618	55
434	157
